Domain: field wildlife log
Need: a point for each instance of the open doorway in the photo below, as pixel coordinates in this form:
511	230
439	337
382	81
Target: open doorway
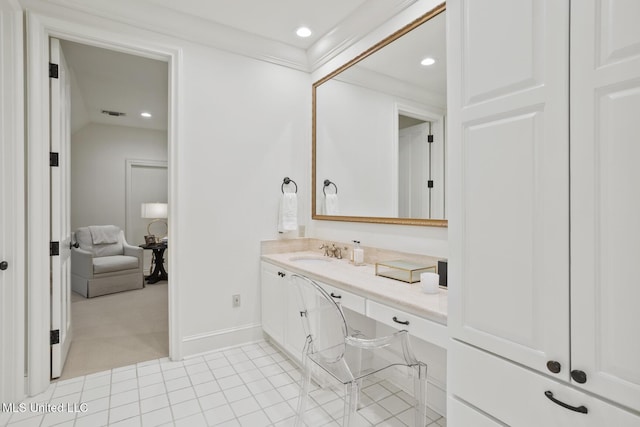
118	117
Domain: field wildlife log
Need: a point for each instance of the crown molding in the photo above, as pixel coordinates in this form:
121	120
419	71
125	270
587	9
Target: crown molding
352	29
179	25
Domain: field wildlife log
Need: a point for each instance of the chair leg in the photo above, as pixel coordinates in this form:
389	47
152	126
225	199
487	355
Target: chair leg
420	394
351	404
305	382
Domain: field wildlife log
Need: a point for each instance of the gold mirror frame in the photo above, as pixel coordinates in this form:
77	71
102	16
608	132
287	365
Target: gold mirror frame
380	220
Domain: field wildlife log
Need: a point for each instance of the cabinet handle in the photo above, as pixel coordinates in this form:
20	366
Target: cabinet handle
281	274
4	265
582	409
579	376
402	322
554	366
335	296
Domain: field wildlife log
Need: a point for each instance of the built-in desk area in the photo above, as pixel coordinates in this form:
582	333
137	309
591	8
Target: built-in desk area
385	302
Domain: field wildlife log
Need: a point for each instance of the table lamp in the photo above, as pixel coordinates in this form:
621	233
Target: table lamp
155	211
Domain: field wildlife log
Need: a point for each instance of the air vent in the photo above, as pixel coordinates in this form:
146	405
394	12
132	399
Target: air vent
113	113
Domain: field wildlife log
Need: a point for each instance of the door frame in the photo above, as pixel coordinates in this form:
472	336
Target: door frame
39	29
12	208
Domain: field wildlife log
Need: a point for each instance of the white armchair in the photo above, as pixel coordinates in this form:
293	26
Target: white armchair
104	263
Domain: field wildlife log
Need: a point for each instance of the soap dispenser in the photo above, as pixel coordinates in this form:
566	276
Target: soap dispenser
358	254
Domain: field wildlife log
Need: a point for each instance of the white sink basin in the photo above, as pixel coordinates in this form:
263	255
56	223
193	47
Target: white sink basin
310	259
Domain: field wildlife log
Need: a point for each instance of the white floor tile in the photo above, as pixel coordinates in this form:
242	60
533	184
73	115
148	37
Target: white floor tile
211	401
255	419
196	420
123	398
237	393
206	388
156	418
253	385
219	415
279	412
182	395
154	403
185	409
245	406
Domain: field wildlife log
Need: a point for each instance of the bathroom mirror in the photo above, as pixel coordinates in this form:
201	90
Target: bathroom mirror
378	131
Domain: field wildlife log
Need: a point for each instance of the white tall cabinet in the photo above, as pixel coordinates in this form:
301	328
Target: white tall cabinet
545	207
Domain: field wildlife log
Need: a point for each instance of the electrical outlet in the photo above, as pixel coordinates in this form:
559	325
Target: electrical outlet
235	300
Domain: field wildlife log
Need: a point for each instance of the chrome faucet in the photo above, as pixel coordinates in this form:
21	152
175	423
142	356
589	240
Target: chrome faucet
332	251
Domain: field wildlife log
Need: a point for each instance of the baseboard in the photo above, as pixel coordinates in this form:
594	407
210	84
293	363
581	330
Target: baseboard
216	340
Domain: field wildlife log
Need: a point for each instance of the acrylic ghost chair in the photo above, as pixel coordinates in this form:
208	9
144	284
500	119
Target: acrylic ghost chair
346	355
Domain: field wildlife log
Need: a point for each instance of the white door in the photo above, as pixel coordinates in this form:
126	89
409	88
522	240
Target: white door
509	157
12	191
60	211
413	172
605	198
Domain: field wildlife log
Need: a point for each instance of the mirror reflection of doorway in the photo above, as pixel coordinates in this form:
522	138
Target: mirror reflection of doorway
421	171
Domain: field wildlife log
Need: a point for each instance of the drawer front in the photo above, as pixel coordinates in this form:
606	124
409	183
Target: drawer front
427	330
516	395
346	299
462	415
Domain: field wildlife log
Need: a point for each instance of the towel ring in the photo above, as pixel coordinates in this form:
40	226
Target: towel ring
287	181
328	183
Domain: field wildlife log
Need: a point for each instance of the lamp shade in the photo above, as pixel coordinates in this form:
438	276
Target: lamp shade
154	210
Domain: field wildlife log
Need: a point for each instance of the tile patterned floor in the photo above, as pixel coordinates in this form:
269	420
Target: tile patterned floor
253	385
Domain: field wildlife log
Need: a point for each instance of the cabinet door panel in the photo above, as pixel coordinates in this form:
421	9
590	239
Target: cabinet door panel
509	178
273	298
605	200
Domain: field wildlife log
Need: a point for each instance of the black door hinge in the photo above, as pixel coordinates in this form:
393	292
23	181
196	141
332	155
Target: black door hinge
430	138
54	159
54	248
53	70
54	337
430	183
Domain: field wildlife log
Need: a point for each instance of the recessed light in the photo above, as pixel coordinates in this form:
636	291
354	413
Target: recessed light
303	32
145	114
427	61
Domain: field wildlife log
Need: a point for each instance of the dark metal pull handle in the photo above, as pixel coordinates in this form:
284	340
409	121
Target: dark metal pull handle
74	245
4	265
554	366
335	296
281	274
402	322
582	409
579	376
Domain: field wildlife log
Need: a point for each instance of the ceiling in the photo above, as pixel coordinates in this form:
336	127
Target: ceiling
109	80
273	19
115	81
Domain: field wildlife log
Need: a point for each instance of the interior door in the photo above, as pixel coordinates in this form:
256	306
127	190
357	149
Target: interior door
413	172
605	202
509	178
60	89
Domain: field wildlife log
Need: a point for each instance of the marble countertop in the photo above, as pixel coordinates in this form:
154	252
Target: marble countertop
361	280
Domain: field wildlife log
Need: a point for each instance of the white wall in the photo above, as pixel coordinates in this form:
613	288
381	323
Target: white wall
98	155
418	239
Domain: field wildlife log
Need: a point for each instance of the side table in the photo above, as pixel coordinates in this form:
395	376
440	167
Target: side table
159	273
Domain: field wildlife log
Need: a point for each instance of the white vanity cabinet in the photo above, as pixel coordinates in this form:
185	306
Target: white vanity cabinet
544	210
280	316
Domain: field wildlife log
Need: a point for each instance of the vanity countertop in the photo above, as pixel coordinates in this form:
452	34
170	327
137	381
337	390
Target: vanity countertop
362	280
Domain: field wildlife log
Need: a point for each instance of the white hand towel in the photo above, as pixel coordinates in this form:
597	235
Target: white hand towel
288	220
331	204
